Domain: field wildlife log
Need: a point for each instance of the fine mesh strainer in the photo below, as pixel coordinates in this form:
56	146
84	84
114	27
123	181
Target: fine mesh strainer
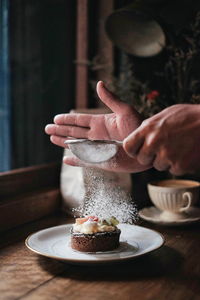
96	151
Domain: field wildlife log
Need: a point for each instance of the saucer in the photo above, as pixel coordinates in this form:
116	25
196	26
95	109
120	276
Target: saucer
154	215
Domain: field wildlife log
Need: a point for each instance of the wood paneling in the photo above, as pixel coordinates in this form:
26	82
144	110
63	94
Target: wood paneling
28	194
20	181
28	207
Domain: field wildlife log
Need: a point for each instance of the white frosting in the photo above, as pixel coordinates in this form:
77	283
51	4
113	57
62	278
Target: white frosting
90	227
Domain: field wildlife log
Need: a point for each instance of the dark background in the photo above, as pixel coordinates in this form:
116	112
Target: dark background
42	52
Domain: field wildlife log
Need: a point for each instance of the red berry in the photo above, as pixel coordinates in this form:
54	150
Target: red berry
152	95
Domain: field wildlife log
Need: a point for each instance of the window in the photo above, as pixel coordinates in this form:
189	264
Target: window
5	161
37	46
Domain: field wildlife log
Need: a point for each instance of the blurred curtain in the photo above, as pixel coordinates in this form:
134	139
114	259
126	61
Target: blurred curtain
5	137
42	43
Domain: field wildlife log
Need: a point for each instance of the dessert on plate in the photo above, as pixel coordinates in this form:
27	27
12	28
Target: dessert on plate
93	234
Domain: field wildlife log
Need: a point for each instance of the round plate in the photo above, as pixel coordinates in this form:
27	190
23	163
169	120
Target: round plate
154	215
54	242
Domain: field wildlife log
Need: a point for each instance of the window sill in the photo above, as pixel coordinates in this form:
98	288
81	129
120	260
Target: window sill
28	194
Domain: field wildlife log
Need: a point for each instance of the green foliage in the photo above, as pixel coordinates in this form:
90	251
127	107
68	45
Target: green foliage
179	75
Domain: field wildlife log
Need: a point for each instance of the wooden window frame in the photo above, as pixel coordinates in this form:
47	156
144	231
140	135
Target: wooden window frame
28	194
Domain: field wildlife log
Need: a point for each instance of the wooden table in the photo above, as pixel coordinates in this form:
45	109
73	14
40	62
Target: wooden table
172	272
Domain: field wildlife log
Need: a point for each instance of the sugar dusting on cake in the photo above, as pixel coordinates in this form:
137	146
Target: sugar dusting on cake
93	224
106	199
92	234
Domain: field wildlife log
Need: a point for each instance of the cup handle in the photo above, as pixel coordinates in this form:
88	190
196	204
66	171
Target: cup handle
188	196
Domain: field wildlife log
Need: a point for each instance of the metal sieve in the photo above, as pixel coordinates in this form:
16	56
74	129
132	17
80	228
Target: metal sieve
95	151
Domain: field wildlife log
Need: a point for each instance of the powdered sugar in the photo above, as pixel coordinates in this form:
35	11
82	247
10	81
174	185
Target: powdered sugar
105	198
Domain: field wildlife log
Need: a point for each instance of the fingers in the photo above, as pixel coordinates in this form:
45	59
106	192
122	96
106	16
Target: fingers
82	120
65	131
179	168
57	140
146	154
145	157
137	148
73	161
150	151
110	99
161	164
176	171
147	151
143	144
133	143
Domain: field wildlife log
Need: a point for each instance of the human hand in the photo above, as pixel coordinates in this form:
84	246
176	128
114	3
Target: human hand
168	140
113	126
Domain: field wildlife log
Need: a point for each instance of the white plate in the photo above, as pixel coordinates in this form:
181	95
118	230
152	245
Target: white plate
54	242
154	215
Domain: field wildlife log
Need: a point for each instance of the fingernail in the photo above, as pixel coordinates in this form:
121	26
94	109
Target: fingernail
127	149
56	117
52	138
100	82
49	126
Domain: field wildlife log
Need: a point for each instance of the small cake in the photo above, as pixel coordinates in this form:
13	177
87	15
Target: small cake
92	234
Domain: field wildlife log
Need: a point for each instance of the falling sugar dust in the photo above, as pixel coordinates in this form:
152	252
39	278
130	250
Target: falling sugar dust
105	198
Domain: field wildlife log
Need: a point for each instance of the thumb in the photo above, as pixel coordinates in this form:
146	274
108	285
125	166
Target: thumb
110	100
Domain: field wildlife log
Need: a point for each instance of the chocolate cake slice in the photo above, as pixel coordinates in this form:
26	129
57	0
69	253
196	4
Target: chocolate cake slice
91	234
100	241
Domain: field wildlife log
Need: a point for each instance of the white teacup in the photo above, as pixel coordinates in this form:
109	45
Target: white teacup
174	197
